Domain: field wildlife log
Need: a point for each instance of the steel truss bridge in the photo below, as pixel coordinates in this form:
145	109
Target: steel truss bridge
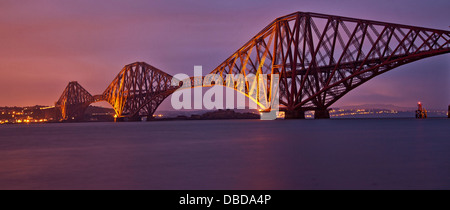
319	58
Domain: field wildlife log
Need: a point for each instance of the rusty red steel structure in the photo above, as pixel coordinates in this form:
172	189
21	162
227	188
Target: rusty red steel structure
138	90
319	58
74	101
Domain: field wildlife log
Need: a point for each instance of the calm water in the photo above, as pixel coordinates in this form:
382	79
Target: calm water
228	154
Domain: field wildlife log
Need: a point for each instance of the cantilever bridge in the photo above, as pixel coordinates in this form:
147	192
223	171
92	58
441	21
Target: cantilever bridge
319	58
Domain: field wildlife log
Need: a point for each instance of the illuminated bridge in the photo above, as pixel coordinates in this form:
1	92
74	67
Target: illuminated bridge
319	58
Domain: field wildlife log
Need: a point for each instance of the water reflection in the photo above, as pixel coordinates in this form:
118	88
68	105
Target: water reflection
243	154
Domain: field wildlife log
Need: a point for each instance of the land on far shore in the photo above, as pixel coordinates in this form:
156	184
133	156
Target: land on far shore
42	114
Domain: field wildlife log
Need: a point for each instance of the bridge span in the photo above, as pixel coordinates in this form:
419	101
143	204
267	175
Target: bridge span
319	58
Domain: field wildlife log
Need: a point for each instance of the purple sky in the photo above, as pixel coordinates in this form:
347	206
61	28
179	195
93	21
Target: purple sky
44	44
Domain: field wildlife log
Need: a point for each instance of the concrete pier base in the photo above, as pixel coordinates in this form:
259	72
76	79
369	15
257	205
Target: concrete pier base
128	119
294	114
321	114
135	119
119	119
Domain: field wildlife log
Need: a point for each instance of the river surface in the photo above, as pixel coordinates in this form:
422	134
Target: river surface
228	154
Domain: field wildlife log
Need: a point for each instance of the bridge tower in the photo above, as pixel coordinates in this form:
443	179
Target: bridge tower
73	102
138	90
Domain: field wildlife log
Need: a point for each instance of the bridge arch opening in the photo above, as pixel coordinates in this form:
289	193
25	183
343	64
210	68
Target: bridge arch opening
232	98
389	88
100	111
